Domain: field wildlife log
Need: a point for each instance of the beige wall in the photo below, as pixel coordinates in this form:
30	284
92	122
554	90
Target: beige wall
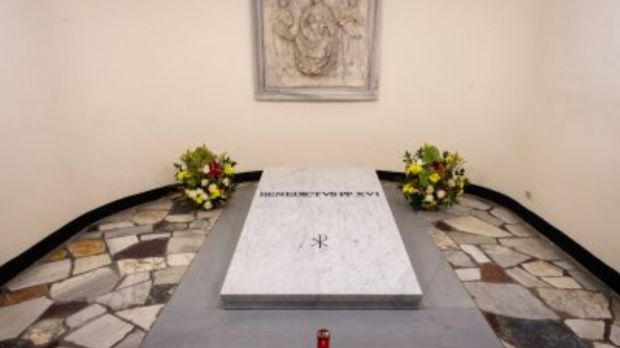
573	138
100	97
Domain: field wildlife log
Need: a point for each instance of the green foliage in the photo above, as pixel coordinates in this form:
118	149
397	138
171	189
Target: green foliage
430	154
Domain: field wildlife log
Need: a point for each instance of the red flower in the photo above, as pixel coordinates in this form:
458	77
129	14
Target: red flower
439	168
214	169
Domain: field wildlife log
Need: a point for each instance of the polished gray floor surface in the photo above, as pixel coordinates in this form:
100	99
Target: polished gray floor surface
194	317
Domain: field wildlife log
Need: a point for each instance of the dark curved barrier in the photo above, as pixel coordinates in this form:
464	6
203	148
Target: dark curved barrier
604	272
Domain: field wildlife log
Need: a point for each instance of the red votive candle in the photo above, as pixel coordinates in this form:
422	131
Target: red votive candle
322	338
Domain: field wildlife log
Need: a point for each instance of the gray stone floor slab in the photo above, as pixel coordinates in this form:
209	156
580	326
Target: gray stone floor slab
535	247
614	334
588	329
100	333
133	266
90	263
473	202
180	259
562	282
133	340
85	286
85	315
129	231
459	259
194	316
126	297
170	275
16	318
509	300
577	303
179	245
120	243
468	274
522	333
144	317
543	269
134	279
41	274
476	226
43	332
486	217
149	217
114	225
475	253
505	215
526	279
521	230
504	256
442	240
468	238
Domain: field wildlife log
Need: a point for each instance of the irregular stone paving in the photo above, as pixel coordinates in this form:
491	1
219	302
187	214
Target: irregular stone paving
106	287
532	294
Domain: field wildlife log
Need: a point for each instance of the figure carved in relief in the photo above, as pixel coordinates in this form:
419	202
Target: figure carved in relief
316	42
283	21
352	23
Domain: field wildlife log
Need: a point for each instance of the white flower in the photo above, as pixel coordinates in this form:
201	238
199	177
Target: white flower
191	194
205	169
208	205
429	198
180	164
430	189
451	183
204	182
441	194
226	182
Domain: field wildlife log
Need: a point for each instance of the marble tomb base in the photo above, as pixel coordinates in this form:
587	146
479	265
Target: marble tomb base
320	238
195	316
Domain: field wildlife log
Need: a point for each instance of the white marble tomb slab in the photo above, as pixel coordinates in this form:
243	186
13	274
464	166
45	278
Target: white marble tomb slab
320	238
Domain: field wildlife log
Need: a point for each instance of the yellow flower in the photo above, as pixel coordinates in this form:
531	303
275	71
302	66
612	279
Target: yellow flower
434	178
414	169
214	191
181	175
228	169
409	189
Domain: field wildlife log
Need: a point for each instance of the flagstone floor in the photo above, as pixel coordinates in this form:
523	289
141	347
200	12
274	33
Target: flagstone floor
106	287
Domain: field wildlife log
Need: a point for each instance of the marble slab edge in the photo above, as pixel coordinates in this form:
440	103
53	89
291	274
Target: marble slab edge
348	301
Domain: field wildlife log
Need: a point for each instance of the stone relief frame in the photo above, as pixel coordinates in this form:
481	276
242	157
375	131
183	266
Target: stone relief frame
316	49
